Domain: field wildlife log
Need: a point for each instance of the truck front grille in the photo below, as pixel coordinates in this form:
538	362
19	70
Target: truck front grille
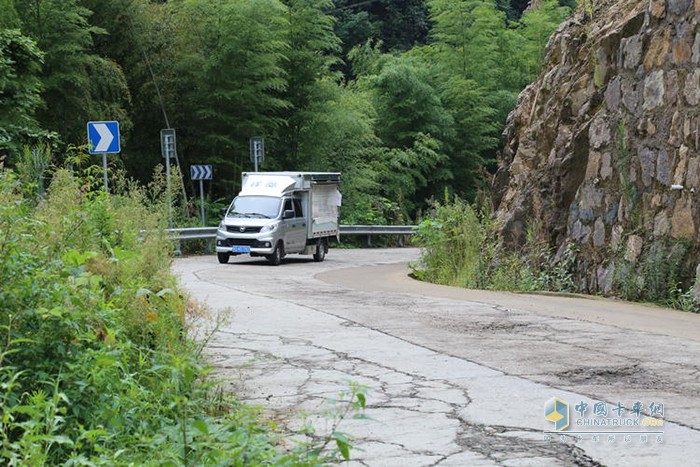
242	229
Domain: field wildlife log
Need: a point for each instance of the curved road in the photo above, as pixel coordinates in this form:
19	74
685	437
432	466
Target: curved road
455	377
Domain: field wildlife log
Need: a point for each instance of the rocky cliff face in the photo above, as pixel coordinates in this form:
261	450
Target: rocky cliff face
602	150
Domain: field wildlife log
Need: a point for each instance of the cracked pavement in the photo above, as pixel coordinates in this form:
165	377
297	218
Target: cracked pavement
454	377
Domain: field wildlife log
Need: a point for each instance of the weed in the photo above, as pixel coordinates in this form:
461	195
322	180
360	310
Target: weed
96	367
462	247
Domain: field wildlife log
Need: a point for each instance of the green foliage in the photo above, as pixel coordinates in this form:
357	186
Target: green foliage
462	247
78	85
95	365
399	24
8	15
656	276
312	52
20	86
427	84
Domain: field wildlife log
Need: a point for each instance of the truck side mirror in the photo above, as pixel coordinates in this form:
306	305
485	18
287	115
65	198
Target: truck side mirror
222	211
288	214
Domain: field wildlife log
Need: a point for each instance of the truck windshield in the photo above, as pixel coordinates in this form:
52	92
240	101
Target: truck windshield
254	206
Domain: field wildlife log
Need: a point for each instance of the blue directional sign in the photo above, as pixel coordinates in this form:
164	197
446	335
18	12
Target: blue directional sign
201	172
103	137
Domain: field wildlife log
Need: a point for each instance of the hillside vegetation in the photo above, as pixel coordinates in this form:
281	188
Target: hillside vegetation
405	99
95	364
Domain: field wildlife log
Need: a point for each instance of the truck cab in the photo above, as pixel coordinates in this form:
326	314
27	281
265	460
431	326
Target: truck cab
280	213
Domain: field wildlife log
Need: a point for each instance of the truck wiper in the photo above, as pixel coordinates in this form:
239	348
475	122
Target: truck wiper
257	214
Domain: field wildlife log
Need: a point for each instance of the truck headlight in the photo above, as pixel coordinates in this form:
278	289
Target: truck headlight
268	228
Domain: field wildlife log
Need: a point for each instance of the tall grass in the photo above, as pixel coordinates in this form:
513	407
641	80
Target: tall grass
95	364
462	247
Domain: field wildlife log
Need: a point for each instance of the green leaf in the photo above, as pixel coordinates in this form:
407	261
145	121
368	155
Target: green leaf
343	444
201	426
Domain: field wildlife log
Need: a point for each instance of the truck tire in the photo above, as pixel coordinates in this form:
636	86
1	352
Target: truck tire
276	257
320	250
223	257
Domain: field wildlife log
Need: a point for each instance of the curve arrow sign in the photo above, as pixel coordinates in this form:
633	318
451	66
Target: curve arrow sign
103	137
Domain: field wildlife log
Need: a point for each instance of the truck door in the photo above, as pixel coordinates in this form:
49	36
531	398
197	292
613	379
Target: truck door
294	227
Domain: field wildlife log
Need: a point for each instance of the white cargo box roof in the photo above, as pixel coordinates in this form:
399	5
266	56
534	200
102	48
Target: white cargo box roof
280	183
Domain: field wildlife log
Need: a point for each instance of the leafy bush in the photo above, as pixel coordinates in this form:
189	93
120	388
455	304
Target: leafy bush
462	247
95	364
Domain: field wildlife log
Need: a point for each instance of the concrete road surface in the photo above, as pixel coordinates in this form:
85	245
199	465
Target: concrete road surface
455	377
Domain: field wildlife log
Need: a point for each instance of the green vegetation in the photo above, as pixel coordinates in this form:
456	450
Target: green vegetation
462	248
406	99
361	88
96	367
656	276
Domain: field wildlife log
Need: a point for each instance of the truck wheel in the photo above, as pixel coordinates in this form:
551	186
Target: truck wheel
223	257
276	257
320	250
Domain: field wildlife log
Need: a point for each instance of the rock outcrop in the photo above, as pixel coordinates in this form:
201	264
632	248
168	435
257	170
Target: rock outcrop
603	149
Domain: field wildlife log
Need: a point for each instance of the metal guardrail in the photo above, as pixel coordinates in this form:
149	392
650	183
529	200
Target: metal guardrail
196	233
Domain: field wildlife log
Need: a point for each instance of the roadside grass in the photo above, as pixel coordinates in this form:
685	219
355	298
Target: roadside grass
462	247
96	365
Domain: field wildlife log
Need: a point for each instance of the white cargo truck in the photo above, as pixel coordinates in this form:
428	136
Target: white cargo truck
281	213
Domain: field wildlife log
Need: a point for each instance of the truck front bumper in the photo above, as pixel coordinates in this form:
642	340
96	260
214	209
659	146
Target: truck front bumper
259	245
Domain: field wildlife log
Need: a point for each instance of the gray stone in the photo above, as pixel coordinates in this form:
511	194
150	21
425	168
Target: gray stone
654	89
599	232
613	94
605	276
696	286
631	49
605	167
635	243
679	7
611	214
647	160
692	179
671	87
600	74
692	88
593	165
575	230
661	224
696	49
663	167
688	134
674	137
599	132
616	236
630	95
591	198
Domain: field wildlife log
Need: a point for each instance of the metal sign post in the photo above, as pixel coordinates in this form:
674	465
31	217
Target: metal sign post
201	173
167	149
257	151
103	138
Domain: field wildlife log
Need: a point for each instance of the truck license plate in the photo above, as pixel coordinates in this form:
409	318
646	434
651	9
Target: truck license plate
241	249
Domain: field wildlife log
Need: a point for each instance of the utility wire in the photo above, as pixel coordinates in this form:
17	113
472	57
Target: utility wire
160	101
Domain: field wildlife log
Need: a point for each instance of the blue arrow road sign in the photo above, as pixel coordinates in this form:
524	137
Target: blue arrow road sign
201	172
103	137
